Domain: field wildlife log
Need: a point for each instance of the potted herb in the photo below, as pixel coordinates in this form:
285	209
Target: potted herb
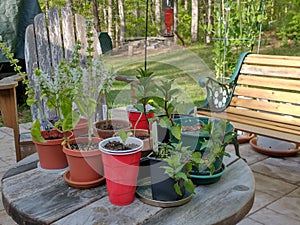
55	118
83	155
107	127
219	134
121	158
170	166
140	113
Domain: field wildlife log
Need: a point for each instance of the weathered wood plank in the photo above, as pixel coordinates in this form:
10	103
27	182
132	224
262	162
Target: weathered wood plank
30	51
80	25
55	41
208	200
44	198
215	201
68	31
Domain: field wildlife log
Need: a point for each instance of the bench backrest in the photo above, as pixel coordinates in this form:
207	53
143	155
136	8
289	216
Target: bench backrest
268	86
51	39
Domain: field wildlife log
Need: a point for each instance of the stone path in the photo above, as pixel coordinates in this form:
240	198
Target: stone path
277	196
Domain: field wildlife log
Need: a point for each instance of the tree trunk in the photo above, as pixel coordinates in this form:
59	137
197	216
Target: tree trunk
96	16
69	3
122	20
110	16
158	12
209	22
175	21
195	20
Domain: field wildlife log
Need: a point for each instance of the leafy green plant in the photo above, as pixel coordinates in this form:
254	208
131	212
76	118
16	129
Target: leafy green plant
180	162
166	105
143	90
219	136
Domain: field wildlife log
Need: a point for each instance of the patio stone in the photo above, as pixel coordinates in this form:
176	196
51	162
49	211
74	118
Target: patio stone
289	205
267	217
249	221
247	152
268	190
286	169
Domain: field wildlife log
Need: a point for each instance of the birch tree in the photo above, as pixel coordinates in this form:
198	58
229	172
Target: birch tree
122	20
195	20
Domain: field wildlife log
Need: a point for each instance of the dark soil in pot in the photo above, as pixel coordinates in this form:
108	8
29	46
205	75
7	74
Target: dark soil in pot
116	145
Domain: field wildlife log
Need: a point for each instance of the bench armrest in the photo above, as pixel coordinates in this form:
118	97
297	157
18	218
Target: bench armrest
218	95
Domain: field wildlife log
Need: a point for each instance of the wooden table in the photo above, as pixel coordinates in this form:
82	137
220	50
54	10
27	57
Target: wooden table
33	197
8	107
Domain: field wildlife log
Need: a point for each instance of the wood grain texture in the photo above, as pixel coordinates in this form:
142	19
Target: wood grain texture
33	197
55	35
68	31
266	97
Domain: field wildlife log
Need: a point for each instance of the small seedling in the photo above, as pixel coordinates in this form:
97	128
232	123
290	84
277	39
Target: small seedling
124	135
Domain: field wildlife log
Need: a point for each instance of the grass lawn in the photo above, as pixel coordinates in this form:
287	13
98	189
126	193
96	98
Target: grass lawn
184	65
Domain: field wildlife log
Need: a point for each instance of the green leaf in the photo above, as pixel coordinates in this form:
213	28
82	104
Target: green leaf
176	131
165	122
70	121
177	189
36	131
188	184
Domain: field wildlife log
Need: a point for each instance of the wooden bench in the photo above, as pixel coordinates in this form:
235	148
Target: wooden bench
262	96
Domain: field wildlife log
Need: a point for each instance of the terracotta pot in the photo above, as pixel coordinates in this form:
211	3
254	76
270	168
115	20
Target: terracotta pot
84	166
121	170
50	153
144	136
81	128
117	125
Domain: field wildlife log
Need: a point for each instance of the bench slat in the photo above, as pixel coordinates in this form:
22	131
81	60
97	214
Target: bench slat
284	120
273	57
277	108
269	125
280	96
273	61
266	82
270	71
248	127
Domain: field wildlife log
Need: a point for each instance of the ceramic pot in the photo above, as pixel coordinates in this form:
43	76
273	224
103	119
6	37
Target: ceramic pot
51	156
84	166
99	130
81	128
121	169
162	132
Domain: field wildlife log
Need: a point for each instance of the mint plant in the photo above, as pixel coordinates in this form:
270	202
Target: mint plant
180	162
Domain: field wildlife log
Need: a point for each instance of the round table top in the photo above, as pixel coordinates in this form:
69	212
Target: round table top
33	196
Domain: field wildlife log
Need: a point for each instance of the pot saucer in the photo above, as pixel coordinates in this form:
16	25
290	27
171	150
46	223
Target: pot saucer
245	138
81	185
273	152
59	171
144	193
